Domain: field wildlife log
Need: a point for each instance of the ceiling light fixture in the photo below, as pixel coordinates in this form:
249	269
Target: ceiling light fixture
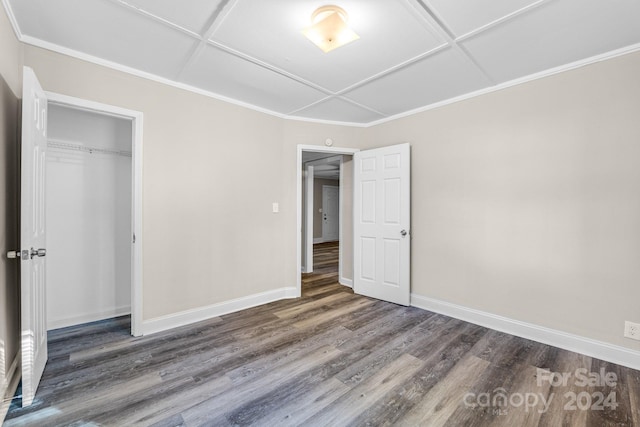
329	28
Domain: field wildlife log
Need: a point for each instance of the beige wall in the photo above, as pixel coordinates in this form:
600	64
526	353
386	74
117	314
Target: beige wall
317	203
10	64
526	201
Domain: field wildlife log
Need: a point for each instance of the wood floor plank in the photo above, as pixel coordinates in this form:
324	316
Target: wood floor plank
367	315
233	354
315	377
633	380
413	393
367	393
442	334
282	358
291	312
330	315
121	368
565	362
76	409
100	350
524	389
327	289
113	412
173	421
216	407
160	404
381	356
386	327
300	404
446	396
507	350
313	280
608	416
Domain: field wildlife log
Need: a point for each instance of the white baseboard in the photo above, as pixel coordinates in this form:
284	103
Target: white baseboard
9	385
79	319
587	346
187	317
346	282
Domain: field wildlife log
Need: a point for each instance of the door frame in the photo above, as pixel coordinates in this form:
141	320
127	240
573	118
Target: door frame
136	118
307	227
299	200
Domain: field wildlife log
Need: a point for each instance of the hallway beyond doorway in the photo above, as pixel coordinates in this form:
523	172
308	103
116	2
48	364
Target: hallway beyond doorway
325	268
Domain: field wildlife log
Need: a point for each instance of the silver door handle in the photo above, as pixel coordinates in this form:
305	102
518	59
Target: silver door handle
403	233
38	252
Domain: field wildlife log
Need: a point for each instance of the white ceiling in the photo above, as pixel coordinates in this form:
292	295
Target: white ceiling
412	54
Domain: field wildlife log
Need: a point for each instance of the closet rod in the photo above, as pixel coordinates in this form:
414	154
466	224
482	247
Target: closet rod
63	145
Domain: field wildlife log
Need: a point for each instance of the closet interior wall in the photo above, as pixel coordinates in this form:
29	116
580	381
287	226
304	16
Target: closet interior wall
88	216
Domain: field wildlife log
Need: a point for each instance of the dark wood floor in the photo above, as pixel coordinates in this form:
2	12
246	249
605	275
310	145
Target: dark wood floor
331	358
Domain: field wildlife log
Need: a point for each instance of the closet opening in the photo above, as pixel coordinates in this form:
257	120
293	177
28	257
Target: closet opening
92	192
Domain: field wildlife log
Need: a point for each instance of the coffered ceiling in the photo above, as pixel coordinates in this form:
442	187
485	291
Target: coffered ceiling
411	55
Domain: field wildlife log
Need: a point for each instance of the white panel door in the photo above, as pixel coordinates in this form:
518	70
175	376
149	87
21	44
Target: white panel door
382	218
33	235
330	213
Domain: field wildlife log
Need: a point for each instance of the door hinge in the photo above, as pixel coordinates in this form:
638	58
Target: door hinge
134	237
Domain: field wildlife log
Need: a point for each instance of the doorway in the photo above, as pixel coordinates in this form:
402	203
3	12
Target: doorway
321	202
94	212
311	158
380	213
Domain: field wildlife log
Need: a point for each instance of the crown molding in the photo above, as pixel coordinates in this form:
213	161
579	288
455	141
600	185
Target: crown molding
515	82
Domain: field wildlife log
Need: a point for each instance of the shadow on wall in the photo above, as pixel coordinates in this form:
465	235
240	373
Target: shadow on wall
9	226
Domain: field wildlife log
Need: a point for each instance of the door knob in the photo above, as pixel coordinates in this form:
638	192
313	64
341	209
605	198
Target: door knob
38	252
403	233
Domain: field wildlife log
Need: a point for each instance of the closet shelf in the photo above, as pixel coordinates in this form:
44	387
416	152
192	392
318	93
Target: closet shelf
64	145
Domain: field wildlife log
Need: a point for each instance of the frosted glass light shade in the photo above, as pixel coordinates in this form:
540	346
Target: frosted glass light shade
329	28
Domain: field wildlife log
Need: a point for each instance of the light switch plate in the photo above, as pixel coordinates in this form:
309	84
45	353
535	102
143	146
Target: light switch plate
275	207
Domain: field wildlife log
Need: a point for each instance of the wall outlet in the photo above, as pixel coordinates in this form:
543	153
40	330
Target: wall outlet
632	330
